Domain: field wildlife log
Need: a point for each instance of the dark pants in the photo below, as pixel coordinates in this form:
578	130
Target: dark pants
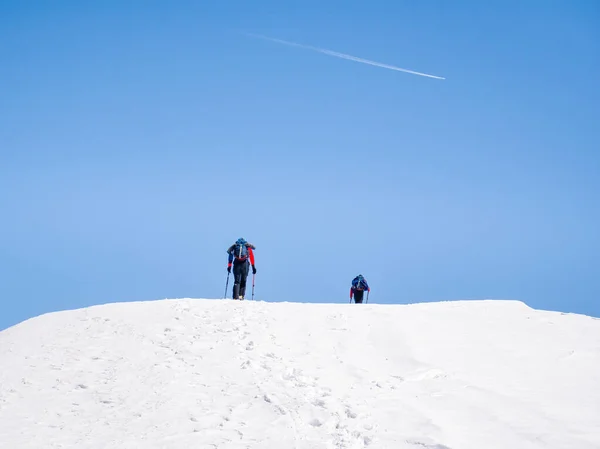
358	296
240	273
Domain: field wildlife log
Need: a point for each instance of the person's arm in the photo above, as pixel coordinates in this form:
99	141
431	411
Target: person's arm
229	258
251	256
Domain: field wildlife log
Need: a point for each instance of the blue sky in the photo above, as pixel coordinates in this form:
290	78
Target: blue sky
138	140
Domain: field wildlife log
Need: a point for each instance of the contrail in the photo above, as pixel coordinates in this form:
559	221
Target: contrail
343	56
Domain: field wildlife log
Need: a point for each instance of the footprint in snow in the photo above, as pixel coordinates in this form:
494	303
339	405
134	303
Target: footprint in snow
246	364
315	422
319	403
278	407
426	445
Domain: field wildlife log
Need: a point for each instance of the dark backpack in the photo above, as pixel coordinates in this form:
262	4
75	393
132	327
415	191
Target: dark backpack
240	249
359	283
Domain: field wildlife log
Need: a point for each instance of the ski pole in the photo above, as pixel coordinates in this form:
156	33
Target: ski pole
253	276
368	291
226	284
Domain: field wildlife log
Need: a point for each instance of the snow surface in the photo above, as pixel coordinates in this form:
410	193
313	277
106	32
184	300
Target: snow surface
243	374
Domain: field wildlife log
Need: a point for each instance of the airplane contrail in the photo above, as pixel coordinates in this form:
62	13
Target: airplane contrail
343	56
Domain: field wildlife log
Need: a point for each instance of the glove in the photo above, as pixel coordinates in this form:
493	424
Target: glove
253	269
229	269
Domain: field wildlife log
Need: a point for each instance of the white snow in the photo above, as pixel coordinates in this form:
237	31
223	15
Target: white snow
242	374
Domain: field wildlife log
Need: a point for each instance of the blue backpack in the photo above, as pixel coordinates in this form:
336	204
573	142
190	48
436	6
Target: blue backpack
359	283
240	249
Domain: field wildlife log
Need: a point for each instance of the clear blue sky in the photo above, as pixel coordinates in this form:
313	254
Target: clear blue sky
139	139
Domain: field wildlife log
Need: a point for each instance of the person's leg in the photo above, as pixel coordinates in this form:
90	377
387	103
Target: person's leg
358	296
244	276
237	278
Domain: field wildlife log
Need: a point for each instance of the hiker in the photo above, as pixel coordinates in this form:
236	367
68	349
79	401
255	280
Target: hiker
359	285
240	256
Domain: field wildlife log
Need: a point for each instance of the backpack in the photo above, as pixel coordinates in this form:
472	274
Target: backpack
359	283
240	249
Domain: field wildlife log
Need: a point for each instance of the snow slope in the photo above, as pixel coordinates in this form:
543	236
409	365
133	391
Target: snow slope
231	374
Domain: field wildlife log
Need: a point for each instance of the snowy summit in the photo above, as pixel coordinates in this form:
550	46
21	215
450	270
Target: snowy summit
241	374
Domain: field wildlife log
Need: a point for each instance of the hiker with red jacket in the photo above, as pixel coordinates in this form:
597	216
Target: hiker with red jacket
241	257
359	285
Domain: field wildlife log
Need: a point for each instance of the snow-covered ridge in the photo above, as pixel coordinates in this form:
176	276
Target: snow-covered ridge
232	374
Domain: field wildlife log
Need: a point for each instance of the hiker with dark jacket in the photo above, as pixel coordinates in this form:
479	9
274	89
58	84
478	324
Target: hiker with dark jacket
359	285
240	256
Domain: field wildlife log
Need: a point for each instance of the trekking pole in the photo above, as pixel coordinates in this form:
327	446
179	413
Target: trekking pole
253	276
226	285
368	291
